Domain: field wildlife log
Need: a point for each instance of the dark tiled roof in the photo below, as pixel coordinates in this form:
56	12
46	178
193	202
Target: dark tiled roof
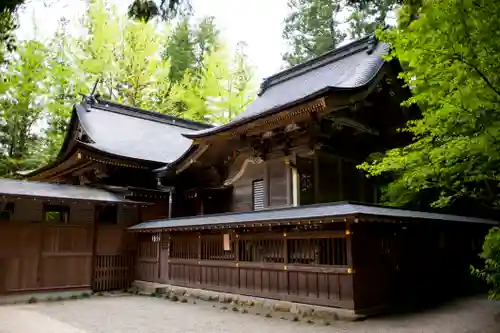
131	132
329	210
23	188
348	67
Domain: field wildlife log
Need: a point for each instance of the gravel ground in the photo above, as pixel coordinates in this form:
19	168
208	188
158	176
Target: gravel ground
134	314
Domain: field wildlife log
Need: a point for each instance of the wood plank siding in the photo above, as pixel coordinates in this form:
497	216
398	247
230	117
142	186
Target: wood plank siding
310	267
76	253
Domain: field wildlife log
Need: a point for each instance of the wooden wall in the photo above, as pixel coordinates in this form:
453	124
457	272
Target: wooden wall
275	175
276	270
411	264
332	179
37	255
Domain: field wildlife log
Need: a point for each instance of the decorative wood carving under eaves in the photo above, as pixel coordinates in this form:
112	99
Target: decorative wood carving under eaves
241	172
288	116
197	153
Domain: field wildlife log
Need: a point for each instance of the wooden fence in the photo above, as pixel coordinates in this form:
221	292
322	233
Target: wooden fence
311	267
113	272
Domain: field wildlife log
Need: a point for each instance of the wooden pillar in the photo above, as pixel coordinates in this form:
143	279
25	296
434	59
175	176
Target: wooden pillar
349	245
94	245
289	183
199	245
267	185
316	179
39	269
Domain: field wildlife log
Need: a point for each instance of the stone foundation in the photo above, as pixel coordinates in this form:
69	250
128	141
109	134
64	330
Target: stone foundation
44	296
241	303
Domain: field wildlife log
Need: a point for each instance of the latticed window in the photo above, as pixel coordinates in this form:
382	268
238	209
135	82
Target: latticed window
258	194
184	247
213	248
320	251
262	250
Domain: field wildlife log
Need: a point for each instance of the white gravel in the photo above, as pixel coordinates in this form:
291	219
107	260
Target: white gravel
134	314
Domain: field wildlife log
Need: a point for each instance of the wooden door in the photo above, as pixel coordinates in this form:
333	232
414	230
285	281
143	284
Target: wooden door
148	257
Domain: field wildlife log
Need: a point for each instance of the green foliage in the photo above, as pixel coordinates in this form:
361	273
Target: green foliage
218	92
491	255
367	16
147	65
8	23
451	53
311	29
23	100
145	10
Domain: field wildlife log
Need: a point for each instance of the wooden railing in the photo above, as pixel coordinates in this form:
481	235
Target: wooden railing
311	267
113	272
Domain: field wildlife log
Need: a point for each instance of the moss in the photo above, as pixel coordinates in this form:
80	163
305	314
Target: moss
32	300
74	297
235	309
50	299
174	298
85	295
268	315
59	298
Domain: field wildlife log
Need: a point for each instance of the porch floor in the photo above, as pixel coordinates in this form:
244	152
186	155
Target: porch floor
147	315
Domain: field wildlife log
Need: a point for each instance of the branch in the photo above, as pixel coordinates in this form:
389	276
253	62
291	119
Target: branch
478	71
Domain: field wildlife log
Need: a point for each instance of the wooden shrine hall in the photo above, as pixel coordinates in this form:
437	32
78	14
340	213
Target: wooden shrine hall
270	204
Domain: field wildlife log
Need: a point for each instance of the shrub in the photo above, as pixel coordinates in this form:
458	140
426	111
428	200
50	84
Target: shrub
491	270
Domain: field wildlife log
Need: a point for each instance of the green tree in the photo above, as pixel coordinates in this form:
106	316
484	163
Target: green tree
490	273
451	54
145	10
311	29
23	98
220	90
125	56
180	50
8	22
367	16
129	58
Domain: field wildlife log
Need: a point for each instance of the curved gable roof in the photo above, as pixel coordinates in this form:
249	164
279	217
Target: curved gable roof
135	133
349	67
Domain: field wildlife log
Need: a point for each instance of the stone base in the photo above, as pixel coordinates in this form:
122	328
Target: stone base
268	306
43	296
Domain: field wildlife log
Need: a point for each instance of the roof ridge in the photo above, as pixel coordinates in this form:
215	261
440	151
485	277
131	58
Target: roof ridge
136	112
367	42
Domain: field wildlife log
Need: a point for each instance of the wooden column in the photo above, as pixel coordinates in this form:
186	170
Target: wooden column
348	239
95	234
316	177
267	185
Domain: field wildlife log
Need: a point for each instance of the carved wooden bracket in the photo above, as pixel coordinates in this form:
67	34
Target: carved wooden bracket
249	160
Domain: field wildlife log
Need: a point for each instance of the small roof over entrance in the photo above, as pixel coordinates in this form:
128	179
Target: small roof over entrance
318	211
32	189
